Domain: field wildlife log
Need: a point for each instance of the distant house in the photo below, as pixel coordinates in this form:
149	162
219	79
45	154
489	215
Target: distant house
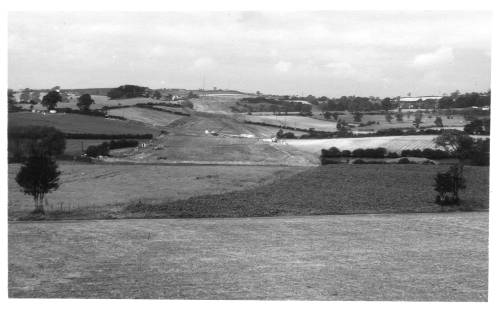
420	102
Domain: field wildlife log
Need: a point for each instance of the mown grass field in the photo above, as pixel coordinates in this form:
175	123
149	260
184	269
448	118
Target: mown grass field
134	191
457	122
295	122
405	257
144	115
217	103
87	185
75	123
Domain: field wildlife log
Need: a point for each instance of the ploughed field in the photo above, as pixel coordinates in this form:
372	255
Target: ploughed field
411	257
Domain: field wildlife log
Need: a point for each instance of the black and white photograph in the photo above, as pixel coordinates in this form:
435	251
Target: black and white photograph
254	155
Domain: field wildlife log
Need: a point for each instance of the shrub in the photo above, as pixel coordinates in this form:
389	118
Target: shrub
358	161
392	155
346	153
404	161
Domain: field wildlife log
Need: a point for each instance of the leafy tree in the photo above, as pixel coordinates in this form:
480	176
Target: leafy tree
327	115
418	119
457	143
438	122
449	183
476	126
84	102
38	176
25	96
34	140
51	99
127	91
358	116
386	104
388	117
11	100
157	95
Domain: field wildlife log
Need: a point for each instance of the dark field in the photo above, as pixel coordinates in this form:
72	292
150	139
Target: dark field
413	257
203	191
333	189
74	123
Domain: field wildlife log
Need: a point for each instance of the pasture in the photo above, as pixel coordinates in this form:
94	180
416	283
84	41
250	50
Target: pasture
114	191
295	122
403	257
84	185
217	103
144	115
457	122
75	123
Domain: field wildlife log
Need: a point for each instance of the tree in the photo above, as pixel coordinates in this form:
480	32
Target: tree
438	122
358	116
38	176
386	104
34	140
450	182
457	143
388	117
51	99
476	126
327	115
11	100
157	95
418	119
84	102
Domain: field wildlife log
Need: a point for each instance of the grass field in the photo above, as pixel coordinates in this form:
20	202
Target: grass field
85	185
295	122
332	189
204	191
410	257
391	143
144	115
217	103
74	123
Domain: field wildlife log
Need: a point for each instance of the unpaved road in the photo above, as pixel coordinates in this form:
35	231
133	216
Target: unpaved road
431	257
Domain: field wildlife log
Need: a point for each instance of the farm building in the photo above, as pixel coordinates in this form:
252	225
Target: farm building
418	102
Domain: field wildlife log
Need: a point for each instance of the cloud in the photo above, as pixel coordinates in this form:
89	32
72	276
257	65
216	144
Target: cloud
283	66
203	63
443	55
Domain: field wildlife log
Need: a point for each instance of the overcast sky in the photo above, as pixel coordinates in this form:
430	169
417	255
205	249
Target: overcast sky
320	53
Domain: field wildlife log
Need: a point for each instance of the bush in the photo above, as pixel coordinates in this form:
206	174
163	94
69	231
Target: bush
333	152
358	161
404	161
104	148
346	153
392	155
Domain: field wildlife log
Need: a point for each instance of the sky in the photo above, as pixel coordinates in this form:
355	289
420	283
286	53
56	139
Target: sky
331	53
